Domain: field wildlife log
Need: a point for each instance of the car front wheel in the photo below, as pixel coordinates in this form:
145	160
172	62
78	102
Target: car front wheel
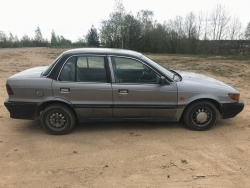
58	119
200	115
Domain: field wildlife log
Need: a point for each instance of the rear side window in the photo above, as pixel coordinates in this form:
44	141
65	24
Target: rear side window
90	62
84	69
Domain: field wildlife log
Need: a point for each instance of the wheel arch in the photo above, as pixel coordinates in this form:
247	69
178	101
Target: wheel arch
213	101
43	105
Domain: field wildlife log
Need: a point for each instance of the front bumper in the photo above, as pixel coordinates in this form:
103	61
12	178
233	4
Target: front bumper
21	110
230	110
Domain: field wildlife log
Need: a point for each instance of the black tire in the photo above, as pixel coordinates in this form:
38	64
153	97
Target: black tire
200	115
58	119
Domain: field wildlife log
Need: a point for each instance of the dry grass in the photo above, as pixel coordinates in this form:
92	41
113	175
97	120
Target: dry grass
221	67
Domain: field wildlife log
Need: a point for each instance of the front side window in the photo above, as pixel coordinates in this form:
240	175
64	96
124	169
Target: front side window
162	69
84	69
128	70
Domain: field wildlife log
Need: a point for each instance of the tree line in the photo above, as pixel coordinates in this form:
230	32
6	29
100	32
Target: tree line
37	41
217	32
91	39
206	33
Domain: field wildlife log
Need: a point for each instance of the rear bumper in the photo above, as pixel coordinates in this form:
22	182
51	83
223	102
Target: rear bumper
21	110
230	110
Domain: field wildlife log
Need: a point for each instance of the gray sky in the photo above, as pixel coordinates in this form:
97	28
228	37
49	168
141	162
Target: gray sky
73	18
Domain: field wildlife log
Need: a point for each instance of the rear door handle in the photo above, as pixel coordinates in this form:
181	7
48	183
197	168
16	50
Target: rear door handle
64	90
123	91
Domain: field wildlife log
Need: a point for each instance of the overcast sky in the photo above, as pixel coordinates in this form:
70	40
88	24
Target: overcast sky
73	18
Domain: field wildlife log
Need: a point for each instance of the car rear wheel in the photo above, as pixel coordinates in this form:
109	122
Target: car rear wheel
200	115
58	119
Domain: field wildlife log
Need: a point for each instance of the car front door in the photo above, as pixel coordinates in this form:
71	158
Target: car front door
137	92
83	82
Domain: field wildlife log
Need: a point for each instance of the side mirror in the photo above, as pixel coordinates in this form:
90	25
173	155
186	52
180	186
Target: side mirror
162	81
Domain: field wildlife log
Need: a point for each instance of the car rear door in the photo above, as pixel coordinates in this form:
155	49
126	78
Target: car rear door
84	82
137	92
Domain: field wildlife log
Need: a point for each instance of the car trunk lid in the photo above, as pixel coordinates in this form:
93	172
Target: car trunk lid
30	73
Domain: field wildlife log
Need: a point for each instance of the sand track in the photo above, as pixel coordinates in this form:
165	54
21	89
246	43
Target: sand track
126	154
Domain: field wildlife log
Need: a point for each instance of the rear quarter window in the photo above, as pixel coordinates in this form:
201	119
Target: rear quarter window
49	68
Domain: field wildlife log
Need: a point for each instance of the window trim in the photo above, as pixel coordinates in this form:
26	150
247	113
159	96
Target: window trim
111	70
82	55
165	75
56	62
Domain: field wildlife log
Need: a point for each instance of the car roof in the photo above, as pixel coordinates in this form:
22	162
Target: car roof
104	51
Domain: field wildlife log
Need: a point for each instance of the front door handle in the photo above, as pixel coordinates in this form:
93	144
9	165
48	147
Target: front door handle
64	90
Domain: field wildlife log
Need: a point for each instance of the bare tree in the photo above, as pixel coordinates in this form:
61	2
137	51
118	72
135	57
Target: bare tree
175	34
190	25
214	21
119	13
119	7
247	32
206	28
220	18
200	24
179	26
146	19
235	29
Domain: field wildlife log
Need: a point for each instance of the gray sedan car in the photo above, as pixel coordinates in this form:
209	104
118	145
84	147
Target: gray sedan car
116	85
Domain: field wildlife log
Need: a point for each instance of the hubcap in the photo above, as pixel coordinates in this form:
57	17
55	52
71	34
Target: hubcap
57	120
202	116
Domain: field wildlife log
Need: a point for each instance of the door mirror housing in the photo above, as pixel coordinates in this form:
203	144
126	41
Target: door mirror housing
162	81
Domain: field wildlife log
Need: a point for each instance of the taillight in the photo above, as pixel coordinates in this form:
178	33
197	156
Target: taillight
234	96
9	90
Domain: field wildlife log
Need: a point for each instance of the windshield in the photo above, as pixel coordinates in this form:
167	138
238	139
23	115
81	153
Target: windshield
162	69
48	69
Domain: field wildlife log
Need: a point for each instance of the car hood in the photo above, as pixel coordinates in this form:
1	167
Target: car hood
30	73
202	80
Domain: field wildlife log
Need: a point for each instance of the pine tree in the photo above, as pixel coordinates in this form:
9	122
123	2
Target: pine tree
53	40
92	37
38	35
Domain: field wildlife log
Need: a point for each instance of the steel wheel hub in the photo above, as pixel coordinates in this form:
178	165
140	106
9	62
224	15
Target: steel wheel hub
57	120
202	116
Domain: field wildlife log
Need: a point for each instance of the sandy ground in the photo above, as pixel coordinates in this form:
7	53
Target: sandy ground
126	154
